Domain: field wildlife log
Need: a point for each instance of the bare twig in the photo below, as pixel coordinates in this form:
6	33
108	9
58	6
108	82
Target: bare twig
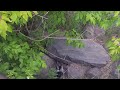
32	24
41	22
46	13
43	17
38	40
27	28
83	32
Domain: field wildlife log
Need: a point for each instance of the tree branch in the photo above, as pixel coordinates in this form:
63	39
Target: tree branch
55	57
40	39
67	38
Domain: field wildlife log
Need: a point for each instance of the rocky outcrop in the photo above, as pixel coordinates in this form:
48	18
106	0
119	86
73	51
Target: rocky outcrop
92	54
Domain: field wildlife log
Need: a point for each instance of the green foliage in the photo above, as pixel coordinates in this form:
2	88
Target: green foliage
52	73
19	59
9	18
56	20
88	17
105	19
114	48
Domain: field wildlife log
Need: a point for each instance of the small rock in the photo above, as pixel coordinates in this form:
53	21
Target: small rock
77	71
94	73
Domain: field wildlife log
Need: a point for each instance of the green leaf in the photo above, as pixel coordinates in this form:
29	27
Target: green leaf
98	17
88	16
22	21
59	20
104	26
118	22
10	56
63	22
113	58
3	25
29	13
17	21
10	28
6	18
109	44
112	48
112	52
13	17
44	65
3	28
3	34
92	19
116	13
116	42
81	16
77	17
41	54
21	62
25	16
17	13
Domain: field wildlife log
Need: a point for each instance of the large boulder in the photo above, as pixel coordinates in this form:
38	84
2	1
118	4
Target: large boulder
92	53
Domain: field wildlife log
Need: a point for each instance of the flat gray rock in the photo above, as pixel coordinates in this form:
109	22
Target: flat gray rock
93	53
